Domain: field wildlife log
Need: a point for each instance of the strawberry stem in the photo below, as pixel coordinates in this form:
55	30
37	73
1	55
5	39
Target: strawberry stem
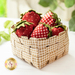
19	24
63	26
29	11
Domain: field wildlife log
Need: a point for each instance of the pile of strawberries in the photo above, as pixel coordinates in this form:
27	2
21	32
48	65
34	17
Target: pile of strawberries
33	25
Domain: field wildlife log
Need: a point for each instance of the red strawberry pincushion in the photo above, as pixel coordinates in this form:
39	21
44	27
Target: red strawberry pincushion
31	16
41	31
51	19
32	25
23	28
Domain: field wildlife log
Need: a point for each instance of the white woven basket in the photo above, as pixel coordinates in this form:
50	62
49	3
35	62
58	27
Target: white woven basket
40	52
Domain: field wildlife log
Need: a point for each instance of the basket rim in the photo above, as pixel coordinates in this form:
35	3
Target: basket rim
31	38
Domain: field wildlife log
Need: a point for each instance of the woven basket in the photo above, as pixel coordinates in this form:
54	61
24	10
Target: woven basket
40	51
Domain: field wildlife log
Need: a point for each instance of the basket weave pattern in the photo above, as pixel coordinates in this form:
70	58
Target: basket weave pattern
40	52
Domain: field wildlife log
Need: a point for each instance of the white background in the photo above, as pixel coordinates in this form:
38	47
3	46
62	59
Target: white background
62	66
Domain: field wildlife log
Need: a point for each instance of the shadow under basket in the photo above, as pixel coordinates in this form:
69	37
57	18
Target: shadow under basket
40	51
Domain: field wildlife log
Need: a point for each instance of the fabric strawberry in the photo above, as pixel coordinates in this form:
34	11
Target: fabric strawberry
31	16
57	29
23	28
51	19
41	31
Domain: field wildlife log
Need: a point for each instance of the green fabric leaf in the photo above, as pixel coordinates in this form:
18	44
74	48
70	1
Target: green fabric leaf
73	13
72	24
5	35
8	24
69	3
53	5
20	26
45	3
